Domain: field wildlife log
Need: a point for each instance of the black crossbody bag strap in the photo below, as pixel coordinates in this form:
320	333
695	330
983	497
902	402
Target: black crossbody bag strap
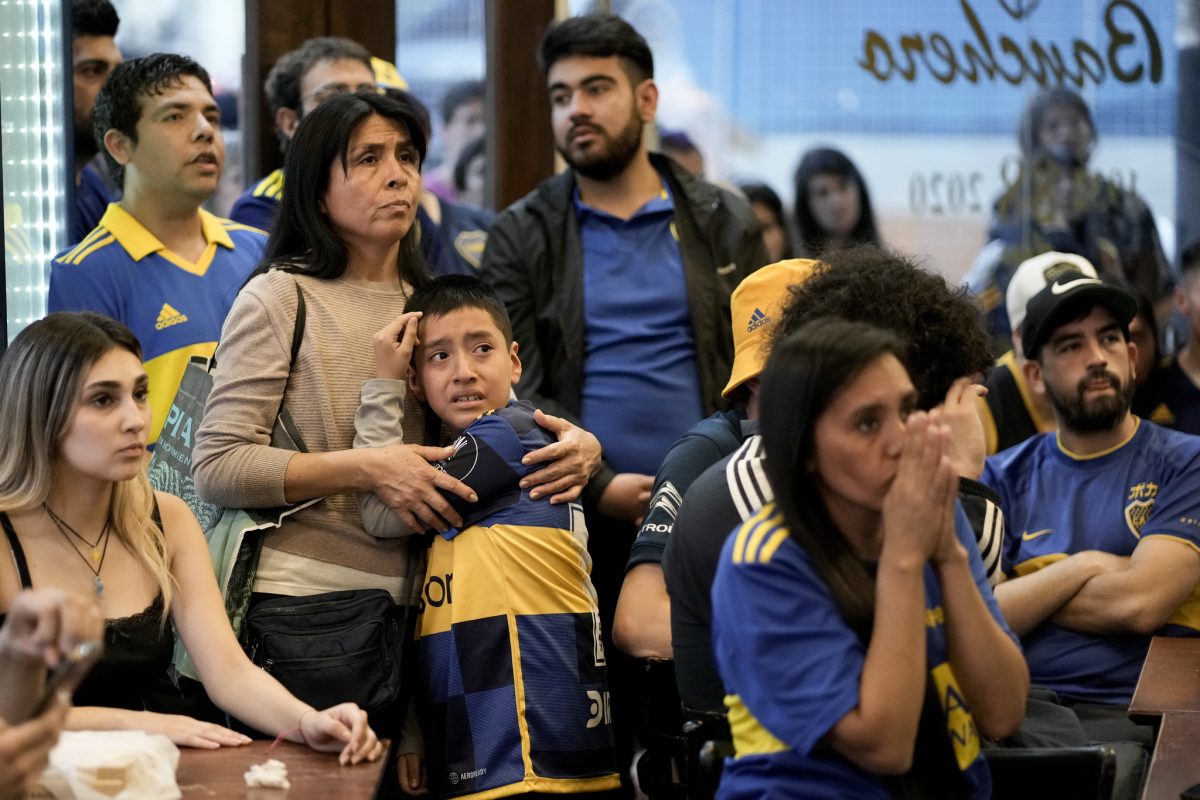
285	420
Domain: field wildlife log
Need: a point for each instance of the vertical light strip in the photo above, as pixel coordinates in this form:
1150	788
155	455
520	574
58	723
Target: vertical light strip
35	161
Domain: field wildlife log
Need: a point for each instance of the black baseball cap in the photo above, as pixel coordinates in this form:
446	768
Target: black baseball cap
1070	291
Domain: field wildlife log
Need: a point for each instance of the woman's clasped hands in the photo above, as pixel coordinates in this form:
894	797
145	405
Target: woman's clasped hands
918	510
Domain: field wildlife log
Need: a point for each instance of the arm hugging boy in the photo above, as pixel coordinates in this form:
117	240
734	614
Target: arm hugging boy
513	696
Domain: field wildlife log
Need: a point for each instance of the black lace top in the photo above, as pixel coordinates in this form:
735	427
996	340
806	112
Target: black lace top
132	673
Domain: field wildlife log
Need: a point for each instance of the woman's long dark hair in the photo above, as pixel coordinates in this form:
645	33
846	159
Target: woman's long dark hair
303	237
827	161
803	374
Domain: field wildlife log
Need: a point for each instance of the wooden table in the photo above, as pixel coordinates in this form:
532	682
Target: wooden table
1170	679
1176	762
207	774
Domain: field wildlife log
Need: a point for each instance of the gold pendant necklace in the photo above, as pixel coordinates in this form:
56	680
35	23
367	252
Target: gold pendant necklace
97	554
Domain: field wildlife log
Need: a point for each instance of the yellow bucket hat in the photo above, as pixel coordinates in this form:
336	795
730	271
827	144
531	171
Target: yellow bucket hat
755	307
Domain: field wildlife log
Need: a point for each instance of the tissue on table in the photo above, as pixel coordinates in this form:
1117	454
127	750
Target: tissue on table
112	765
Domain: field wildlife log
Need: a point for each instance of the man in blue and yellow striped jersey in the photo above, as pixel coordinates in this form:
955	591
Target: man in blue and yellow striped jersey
157	261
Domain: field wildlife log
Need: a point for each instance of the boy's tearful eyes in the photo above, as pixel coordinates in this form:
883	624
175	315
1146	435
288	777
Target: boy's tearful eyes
463	367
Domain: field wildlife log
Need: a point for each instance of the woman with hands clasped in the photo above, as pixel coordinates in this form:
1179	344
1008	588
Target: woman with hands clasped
80	517
859	642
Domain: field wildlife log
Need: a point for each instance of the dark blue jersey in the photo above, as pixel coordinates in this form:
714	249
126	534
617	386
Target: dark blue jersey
173	306
1057	504
792	668
514	697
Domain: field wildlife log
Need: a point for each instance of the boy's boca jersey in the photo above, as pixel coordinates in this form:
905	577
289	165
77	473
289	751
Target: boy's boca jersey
515	696
174	307
1058	504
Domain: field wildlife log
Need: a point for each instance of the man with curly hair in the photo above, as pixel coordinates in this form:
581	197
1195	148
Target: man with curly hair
947	351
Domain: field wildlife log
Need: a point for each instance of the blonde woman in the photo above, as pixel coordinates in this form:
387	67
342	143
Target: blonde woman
79	515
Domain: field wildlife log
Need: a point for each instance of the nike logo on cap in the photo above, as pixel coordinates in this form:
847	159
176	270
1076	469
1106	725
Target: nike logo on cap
1061	288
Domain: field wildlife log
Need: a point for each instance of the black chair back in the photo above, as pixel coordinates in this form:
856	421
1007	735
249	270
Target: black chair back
1052	773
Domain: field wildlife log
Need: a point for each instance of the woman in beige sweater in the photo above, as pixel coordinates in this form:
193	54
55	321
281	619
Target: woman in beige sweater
345	237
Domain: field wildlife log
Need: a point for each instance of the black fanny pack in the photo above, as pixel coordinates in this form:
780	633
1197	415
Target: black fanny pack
336	647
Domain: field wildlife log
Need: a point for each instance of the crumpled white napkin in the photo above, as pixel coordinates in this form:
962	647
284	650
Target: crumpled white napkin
151	759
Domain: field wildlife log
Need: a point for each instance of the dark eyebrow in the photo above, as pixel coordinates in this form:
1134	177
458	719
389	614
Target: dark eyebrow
590	79
110	385
872	408
1058	339
438	342
180	106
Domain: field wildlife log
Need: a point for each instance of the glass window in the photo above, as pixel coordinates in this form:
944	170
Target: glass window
925	99
439	43
32	147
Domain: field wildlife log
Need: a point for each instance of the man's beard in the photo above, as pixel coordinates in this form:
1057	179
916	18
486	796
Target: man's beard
1101	414
608	156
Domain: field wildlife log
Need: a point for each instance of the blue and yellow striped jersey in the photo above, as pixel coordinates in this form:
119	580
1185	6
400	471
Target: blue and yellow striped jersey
792	669
173	306
514	696
259	205
1057	503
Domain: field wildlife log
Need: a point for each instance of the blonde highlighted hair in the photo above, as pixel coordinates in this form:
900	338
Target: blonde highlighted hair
41	378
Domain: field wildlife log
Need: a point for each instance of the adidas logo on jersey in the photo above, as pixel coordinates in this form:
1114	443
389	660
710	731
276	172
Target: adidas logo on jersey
168	316
757	320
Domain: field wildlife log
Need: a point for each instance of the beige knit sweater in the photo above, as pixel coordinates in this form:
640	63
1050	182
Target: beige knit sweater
234	462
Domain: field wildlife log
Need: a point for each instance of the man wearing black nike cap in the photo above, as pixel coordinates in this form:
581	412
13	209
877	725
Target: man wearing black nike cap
1102	547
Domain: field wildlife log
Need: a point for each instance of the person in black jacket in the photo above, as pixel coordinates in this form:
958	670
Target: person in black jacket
540	260
617	275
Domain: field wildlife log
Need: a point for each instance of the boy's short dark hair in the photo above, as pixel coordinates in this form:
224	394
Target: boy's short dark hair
460	94
93	18
282	86
600	36
119	103
452	292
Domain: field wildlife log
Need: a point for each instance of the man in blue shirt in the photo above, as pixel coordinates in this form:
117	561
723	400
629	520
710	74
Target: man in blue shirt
617	275
157	261
1102	547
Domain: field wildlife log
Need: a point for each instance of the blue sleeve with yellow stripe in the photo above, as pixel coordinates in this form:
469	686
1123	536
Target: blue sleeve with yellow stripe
77	288
790	663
